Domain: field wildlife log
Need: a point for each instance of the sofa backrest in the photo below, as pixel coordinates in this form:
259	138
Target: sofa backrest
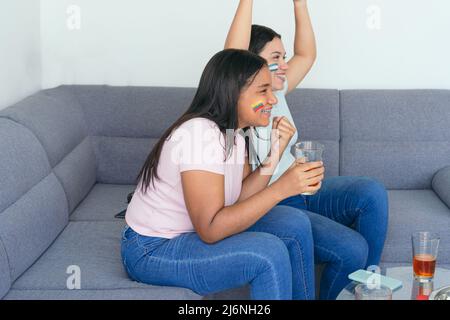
126	122
33	206
55	117
401	137
316	116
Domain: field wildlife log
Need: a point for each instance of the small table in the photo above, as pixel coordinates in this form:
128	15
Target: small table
409	289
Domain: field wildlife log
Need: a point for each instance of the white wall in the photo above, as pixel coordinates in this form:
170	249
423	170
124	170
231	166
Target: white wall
167	43
20	54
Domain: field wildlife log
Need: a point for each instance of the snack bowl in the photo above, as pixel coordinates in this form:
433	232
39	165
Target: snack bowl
441	294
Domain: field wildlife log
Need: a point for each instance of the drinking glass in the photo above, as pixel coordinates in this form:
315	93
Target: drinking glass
425	248
308	151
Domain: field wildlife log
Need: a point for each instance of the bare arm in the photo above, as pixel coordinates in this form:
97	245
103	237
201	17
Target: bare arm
304	46
210	218
241	27
257	180
214	222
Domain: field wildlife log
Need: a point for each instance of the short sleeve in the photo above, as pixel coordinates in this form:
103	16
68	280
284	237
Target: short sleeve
200	146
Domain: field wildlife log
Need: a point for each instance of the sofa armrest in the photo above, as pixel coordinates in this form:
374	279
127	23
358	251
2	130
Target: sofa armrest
441	184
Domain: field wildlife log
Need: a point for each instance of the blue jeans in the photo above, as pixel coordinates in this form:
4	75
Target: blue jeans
349	218
275	256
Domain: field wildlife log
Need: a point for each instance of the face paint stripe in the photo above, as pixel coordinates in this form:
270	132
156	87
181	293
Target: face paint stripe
258	106
257	109
273	67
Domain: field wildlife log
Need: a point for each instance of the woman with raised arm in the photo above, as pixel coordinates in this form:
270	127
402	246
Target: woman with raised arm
348	215
197	217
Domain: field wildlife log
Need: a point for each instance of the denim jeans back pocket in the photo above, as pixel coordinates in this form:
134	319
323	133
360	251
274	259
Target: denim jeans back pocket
149	244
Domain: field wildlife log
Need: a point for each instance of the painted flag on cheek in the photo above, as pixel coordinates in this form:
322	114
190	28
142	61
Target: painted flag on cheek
258	106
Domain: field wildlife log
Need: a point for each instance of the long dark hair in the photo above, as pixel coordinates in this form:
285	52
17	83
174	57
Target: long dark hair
260	36
225	76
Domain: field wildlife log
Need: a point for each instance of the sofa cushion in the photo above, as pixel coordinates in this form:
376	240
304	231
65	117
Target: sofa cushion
93	247
103	202
391	163
56	119
411	211
126	122
33	206
23	162
390	134
441	184
119	160
316	116
30	225
138	112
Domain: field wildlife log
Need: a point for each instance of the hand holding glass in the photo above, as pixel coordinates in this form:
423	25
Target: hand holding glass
308	151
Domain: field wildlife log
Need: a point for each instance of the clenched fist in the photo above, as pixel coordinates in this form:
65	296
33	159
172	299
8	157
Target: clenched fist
282	133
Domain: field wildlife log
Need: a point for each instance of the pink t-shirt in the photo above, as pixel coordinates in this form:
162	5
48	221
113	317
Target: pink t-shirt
197	144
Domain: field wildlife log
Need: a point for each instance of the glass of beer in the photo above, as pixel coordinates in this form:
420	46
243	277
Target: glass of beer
425	249
308	151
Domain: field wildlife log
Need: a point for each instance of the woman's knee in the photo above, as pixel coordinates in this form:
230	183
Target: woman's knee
293	222
371	189
269	251
371	198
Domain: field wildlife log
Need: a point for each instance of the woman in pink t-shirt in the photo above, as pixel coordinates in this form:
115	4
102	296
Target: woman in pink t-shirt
198	216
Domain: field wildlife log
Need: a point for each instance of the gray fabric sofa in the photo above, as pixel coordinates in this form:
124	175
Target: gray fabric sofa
70	155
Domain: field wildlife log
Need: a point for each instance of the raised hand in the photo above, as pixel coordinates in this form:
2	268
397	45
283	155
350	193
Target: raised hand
282	133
